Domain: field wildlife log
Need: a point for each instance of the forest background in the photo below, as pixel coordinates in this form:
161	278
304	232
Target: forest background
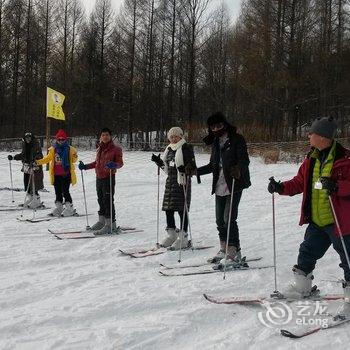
154	64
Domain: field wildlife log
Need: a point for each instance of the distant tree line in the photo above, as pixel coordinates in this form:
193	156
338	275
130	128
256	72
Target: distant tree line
159	63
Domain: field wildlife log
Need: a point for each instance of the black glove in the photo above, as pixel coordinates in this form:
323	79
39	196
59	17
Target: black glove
81	165
190	169
9	157
275	186
157	160
328	184
235	171
34	165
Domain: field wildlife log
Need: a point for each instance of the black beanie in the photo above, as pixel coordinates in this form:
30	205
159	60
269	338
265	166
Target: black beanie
216	118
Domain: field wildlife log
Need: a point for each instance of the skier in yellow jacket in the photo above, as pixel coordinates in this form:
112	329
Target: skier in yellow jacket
62	173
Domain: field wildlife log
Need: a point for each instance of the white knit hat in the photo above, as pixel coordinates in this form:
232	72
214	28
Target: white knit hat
175	131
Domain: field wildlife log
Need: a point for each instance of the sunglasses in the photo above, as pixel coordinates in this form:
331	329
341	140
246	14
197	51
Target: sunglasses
61	140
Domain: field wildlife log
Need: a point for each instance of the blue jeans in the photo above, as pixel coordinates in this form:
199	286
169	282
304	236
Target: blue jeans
222	211
316	242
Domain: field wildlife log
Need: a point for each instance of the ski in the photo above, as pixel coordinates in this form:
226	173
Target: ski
48	218
261	299
41	207
18	208
174	267
64	232
76	235
210	271
89	234
138	251
12	189
10	209
143	253
305	331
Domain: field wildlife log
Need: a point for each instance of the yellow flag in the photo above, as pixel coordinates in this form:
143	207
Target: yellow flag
54	102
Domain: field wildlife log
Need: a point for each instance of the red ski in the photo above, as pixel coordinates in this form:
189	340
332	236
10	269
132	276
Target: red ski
89	233
143	253
301	332
261	299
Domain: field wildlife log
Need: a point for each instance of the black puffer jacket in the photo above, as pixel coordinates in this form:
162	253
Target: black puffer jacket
174	198
30	152
233	153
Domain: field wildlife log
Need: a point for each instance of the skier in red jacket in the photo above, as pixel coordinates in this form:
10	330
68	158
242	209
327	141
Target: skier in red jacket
109	158
323	179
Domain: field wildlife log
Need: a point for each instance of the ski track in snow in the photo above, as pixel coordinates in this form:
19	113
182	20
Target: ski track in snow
82	294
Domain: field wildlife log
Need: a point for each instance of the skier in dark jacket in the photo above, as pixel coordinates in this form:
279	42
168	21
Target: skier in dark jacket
229	164
179	164
31	151
324	175
109	158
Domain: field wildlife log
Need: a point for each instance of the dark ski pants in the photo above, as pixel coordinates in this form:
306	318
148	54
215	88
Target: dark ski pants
170	219
62	184
103	197
222	209
26	178
316	242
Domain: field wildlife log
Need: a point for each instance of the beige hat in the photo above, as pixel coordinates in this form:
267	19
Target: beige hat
175	131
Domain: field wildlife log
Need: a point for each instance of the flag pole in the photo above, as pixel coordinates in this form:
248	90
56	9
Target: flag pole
48	133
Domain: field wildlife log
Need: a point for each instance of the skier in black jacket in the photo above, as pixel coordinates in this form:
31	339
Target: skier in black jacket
229	164
31	151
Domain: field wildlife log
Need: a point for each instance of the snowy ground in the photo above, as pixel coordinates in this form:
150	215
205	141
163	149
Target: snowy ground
81	294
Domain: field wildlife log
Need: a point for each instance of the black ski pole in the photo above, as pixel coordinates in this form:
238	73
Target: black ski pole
185	212
13	200
33	188
86	211
111	199
158	190
340	231
27	191
229	226
274	240
188	212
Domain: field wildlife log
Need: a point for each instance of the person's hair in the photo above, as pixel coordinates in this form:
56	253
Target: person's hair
106	130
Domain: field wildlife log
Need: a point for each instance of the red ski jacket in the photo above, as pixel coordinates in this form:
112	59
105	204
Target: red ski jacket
108	152
302	183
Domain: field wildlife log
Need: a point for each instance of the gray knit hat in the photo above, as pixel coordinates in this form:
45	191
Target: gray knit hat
326	127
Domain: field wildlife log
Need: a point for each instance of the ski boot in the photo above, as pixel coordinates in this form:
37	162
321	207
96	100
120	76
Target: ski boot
35	203
343	311
301	287
170	239
68	210
58	210
181	241
27	200
219	255
107	230
234	259
99	224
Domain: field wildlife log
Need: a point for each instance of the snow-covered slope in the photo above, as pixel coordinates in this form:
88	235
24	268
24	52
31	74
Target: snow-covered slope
82	294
